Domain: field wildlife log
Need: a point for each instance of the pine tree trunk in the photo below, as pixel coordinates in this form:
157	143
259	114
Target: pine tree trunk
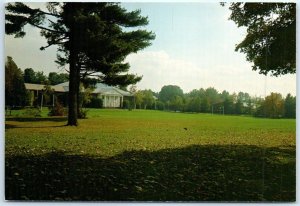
72	113
77	92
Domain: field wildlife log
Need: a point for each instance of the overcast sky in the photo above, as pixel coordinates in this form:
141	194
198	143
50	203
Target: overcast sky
194	48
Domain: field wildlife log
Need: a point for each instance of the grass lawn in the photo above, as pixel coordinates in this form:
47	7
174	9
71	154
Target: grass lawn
151	155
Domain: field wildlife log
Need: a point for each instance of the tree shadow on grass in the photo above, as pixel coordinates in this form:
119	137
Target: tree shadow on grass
194	173
37	119
12	126
34	119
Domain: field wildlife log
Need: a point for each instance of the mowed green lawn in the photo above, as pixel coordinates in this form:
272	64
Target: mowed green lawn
151	156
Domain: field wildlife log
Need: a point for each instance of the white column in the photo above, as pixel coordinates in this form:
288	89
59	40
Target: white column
42	101
37	98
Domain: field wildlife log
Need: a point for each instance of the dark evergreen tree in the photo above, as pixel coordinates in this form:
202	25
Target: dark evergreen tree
290	106
15	92
29	75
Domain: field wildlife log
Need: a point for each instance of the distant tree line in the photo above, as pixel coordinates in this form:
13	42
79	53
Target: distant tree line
53	78
172	98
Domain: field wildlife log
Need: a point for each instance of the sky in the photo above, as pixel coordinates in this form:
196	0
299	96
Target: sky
194	48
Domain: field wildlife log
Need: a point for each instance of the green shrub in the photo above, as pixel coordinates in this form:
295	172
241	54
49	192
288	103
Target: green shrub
95	103
32	112
57	110
126	104
160	105
82	114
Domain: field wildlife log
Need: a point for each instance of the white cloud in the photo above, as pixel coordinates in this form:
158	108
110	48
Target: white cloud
159	69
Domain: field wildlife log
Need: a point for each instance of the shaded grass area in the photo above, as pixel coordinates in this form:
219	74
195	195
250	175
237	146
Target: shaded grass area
194	173
37	119
150	155
27	112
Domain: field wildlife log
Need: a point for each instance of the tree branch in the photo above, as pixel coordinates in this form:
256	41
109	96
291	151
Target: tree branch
47	13
47	29
53	42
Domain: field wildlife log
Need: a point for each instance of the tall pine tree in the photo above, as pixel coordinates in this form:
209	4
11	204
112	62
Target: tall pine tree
91	39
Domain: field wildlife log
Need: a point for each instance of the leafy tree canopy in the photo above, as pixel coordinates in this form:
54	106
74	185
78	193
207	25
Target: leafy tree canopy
55	78
270	43
273	105
169	93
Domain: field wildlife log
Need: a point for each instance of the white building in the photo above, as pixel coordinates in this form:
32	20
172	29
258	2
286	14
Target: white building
112	97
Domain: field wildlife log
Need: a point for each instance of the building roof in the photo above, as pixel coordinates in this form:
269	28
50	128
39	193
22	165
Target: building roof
34	86
109	90
63	87
99	89
124	93
40	87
